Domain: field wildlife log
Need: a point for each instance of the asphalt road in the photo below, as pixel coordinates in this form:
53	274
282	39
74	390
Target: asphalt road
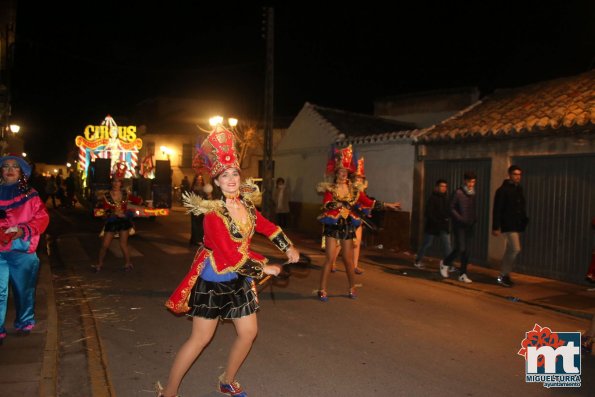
402	336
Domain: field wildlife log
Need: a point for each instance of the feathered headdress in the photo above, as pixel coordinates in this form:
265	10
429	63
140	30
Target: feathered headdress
119	170
197	205
340	158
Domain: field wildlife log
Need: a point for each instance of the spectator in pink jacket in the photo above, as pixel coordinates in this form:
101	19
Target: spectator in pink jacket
23	218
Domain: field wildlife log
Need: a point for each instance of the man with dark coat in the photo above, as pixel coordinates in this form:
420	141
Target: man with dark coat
510	220
463	210
437	216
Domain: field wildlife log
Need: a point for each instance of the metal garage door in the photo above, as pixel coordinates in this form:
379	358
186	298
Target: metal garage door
560	194
452	171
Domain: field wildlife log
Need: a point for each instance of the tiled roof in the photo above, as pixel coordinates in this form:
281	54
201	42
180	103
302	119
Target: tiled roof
561	106
358	127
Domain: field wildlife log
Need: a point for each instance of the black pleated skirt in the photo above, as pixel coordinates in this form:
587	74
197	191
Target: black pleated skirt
117	225
343	230
226	300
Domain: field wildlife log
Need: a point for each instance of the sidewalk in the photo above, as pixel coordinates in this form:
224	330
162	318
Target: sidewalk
574	299
29	363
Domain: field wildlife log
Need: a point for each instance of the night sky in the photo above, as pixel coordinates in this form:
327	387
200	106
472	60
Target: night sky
76	64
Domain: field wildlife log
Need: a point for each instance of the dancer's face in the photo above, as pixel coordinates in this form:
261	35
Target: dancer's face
342	175
229	181
11	172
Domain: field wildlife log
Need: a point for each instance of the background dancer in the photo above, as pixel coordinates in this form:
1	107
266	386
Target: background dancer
359	179
118	219
342	205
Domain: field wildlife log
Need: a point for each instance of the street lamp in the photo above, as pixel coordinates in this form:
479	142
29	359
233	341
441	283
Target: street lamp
24	154
15	128
166	152
215	121
68	165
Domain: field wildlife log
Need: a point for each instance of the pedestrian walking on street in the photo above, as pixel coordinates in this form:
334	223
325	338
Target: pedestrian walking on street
51	189
38	182
185	184
509	218
220	282
70	185
118	219
60	192
437	214
23	218
281	201
464	216
344	205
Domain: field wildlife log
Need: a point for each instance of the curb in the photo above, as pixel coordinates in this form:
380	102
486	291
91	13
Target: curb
560	309
509	295
49	366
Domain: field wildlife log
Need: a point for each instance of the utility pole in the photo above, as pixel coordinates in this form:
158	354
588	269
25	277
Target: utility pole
267	199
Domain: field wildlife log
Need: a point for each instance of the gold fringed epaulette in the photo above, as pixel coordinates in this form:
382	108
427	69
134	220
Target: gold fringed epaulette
251	191
197	205
361	186
324	187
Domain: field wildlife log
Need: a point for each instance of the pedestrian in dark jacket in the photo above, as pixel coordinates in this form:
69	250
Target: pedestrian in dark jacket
69	182
464	216
509	218
437	224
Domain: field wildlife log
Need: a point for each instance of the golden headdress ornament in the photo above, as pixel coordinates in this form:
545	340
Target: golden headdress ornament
359	171
340	158
219	150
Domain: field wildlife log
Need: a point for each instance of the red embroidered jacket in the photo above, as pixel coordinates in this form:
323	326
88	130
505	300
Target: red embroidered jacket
113	208
351	207
227	249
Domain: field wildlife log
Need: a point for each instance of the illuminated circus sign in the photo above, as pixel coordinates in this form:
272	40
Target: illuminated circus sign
109	141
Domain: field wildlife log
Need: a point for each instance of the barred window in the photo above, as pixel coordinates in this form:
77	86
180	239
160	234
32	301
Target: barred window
187	151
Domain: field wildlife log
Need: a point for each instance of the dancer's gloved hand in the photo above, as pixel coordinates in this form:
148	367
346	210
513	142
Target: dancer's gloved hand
272	270
293	255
